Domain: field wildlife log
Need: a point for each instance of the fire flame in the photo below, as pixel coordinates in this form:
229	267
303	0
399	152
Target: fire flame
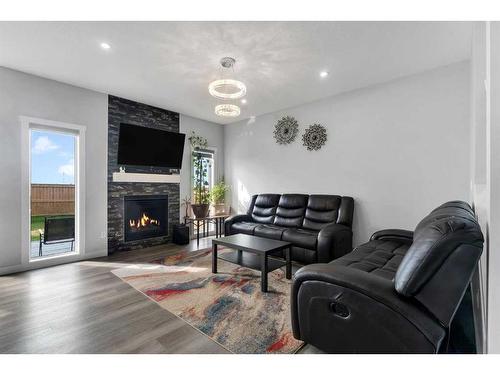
143	222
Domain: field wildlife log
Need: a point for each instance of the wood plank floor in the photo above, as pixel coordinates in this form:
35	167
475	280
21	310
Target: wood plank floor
83	308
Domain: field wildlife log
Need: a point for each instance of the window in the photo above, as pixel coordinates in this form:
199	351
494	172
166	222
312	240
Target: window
206	175
207	160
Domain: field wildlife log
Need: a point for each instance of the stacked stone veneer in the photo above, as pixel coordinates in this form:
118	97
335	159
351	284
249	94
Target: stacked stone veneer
126	111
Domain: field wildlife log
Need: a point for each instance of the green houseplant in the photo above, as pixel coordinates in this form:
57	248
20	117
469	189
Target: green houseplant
201	193
218	197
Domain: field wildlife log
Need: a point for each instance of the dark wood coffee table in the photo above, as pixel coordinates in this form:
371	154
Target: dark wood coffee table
253	252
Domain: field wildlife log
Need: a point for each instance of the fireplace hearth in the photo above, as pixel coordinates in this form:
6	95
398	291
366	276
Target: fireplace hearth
145	216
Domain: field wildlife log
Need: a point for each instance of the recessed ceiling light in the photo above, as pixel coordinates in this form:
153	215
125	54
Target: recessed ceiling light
243	101
323	74
105	45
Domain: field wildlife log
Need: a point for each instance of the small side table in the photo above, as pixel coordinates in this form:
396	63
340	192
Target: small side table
203	222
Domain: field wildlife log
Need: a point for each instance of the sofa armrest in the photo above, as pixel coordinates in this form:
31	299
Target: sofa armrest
334	241
345	310
392	234
234	219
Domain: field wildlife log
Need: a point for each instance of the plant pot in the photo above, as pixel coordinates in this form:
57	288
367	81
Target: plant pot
200	210
219	209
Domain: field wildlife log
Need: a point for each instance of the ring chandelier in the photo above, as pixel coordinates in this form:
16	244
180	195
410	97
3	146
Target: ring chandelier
227	110
227	89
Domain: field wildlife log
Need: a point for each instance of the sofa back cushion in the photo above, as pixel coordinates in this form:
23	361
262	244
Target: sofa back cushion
291	210
263	208
321	210
438	266
448	209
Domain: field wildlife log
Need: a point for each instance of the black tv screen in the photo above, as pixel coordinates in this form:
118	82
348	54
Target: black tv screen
138	145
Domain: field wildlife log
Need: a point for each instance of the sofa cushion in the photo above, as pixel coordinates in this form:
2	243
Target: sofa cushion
243	227
291	210
304	256
321	210
446	210
264	208
301	237
269	231
378	257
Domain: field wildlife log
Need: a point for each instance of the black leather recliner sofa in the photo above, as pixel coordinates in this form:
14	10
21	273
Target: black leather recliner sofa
318	226
397	293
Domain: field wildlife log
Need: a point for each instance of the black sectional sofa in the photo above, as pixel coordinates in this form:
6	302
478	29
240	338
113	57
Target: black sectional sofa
397	293
318	226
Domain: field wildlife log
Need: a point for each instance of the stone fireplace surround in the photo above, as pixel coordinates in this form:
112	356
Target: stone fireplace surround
126	111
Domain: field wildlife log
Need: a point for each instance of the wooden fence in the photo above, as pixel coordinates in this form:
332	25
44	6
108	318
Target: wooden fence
52	199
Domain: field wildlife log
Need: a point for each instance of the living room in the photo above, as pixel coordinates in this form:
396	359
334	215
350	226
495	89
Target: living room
285	186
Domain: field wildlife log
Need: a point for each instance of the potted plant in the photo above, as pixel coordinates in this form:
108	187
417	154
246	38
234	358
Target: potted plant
218	197
201	198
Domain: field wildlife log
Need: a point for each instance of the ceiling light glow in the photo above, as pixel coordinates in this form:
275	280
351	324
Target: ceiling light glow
227	89
105	46
227	110
323	74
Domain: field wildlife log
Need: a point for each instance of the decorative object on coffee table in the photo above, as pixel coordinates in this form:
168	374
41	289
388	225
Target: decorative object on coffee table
314	137
286	130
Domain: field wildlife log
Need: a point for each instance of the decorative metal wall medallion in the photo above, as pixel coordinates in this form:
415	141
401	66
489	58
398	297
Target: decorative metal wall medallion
314	137
286	130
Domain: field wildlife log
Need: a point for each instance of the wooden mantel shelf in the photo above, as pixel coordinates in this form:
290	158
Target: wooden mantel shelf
146	177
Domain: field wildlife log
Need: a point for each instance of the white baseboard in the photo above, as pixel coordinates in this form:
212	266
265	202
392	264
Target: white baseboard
49	262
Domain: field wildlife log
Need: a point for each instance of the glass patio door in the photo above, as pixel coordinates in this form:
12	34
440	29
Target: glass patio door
53	192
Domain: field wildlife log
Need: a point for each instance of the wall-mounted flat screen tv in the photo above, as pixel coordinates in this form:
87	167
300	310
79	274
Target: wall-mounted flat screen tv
141	146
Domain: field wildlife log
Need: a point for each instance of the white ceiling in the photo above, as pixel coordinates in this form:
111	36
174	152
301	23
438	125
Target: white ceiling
169	64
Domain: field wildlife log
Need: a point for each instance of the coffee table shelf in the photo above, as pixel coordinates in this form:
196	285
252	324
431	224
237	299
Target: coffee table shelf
252	261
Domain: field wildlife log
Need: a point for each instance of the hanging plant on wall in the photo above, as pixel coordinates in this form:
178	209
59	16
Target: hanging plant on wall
314	137
286	130
197	141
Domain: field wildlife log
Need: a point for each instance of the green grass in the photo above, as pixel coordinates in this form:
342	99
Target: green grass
36	223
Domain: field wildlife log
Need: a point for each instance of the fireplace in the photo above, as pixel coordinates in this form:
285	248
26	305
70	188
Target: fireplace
145	216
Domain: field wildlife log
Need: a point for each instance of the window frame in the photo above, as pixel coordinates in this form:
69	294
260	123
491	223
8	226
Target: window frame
213	151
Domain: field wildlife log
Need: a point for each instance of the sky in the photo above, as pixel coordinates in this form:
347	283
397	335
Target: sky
52	158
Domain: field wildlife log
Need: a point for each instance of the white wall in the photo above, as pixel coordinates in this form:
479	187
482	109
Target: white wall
479	173
493	181
485	162
399	148
27	95
214	133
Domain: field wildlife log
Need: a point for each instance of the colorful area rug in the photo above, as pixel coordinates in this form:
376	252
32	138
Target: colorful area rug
228	306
